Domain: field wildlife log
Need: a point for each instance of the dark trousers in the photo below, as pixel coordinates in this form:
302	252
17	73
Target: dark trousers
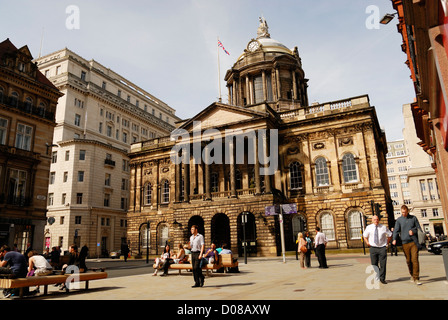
378	258
320	253
166	265
197	271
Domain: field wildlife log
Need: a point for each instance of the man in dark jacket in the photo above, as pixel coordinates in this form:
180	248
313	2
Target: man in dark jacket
407	226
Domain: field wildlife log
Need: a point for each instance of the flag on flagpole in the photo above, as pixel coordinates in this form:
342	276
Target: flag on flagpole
221	46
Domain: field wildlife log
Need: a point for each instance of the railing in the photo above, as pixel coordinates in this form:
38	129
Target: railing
109	162
12	102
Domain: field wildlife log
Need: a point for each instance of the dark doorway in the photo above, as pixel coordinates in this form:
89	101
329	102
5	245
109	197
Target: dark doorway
251	235
220	230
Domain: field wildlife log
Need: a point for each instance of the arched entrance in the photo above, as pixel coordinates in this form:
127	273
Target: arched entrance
220	229
250	233
198	221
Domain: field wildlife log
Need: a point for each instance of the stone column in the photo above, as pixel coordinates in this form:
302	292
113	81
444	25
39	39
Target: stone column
257	169
267	177
294	84
178	178
187	182
232	170
265	90
208	186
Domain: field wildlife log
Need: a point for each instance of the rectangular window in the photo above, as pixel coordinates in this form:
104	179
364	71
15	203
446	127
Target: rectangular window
67	155
106	199
52	177
50	199
54	157
107	180
79	198
82	154
64	198
65	178
80	176
435	212
77	120
83	75
77	219
3	130
24	137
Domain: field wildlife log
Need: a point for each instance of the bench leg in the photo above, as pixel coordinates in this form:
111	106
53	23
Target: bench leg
87	285
21	293
45	289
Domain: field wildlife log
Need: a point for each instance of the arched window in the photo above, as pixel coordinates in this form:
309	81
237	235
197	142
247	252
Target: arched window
295	176
349	168
28	104
165	191
354	224
327	225
148	194
162	235
322	178
14	100
41	109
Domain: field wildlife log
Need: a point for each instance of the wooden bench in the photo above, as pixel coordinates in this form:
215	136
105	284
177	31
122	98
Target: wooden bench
21	283
225	260
228	262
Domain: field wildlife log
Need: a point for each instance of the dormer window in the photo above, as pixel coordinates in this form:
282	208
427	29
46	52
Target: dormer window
21	67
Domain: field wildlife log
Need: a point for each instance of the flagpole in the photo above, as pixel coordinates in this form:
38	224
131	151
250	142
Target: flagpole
219	75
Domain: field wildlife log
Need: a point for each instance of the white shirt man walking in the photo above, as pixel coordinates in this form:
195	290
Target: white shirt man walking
377	236
197	245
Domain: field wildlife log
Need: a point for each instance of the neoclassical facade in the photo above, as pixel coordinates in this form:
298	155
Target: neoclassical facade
266	146
97	119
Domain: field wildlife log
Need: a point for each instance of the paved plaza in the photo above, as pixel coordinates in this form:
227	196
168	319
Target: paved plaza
349	277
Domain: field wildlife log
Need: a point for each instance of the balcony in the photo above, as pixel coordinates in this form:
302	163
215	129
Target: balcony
13	103
109	162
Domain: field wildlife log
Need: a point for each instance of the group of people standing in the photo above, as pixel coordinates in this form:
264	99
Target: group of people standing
377	237
305	245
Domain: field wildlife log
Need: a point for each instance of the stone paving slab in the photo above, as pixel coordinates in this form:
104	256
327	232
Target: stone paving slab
349	277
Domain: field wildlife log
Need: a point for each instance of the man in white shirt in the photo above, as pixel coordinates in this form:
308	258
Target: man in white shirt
197	245
320	242
377	236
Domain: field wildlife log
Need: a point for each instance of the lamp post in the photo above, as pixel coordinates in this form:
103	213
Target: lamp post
387	18
147	242
244	222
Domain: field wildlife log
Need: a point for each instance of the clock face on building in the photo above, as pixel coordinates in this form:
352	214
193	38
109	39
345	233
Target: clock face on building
253	45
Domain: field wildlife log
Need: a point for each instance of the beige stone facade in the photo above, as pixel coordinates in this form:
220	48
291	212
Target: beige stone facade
423	182
330	159
27	107
98	118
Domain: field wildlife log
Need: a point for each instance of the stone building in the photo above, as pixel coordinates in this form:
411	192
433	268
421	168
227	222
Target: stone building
328	159
99	116
27	119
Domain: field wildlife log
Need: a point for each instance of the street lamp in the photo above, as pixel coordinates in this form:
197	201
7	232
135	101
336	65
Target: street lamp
147	242
244	222
387	18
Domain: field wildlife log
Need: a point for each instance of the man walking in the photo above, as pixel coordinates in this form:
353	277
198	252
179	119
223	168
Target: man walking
407	226
197	250
377	236
320	242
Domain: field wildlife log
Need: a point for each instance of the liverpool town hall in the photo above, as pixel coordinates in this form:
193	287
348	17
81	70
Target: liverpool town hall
266	146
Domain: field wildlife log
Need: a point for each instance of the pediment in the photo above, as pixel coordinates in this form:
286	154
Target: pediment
219	116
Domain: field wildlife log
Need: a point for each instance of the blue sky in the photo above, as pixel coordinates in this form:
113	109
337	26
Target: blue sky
169	47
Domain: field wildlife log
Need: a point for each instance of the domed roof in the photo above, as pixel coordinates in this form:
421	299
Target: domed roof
265	43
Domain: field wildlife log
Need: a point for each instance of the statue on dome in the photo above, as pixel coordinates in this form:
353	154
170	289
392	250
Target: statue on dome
263	29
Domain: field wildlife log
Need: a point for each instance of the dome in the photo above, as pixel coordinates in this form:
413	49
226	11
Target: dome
265	43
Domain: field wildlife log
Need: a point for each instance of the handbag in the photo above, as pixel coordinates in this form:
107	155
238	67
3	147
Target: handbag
303	249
